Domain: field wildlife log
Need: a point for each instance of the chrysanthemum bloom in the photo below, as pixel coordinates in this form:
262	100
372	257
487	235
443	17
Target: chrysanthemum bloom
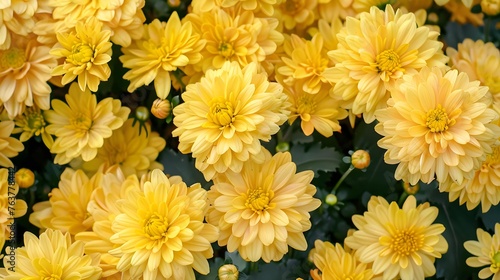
132	149
481	61
264	208
16	17
482	188
295	15
82	124
9	146
66	209
335	263
486	251
412	6
52	256
24	71
398	242
317	111
32	123
467	3
160	231
437	125
335	9
86	52
9	208
163	47
463	14
374	52
224	116
266	7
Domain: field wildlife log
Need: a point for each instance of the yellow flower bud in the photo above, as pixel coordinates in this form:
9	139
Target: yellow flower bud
360	159
228	272
331	199
411	189
490	7
161	108
174	3
25	178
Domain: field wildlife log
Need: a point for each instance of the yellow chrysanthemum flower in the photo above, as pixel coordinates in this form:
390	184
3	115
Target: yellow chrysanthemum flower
86	53
24	71
82	124
295	15
66	209
32	123
160	231
52	256
335	9
164	47
437	125
467	3
376	50
9	146
266	7
264	208
133	150
463	14
399	242
9	208
481	61
335	263
486	251
224	116
482	188
16	17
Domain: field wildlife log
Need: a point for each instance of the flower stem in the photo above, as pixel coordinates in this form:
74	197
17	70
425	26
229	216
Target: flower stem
351	168
254	267
487	24
402	198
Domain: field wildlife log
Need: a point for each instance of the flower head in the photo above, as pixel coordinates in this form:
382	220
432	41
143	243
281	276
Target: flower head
398	242
376	50
160	233
9	146
52	256
296	15
82	124
437	125
32	123
19	207
226	114
264	208
86	53
16	17
486	251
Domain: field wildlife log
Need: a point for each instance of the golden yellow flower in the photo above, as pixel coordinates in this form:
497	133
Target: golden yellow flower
398	242
9	146
134	151
490	7
330	10
467	3
437	125
16	17
72	11
486	251
82	124
376	50
228	272
224	116
161	108
335	263
25	178
86	51
463	14
163	47
9	208
264	6
264	208
32	123
24	71
481	61
160	232
52	256
295	15
66	209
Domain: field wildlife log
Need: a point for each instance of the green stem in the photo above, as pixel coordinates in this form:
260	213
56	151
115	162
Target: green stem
254	267
487	24
179	79
402	198
351	168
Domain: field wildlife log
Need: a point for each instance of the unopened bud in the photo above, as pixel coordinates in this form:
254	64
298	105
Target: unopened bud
228	272
173	3
360	159
142	113
161	108
490	7
283	147
25	178
331	199
411	189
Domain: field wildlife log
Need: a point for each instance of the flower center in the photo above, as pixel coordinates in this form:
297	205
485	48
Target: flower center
306	107
437	120
292	6
493	82
156	227
226	50
81	123
495	262
12	58
406	242
222	113
258	199
35	121
388	60
80	54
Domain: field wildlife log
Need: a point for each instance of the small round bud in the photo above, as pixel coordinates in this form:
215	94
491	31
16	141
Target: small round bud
331	199
360	159
490	7
283	147
142	113
173	3
25	178
433	17
411	189
228	272
161	108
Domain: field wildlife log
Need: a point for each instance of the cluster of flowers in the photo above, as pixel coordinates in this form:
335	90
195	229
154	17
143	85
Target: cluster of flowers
244	69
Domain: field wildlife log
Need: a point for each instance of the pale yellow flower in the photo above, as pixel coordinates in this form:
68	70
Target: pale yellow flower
437	125
398	242
264	6
295	15
374	52
160	232
32	123
82	124
86	51
16	17
264	208
9	208
486	251
330	10
9	146
226	114
463	14
51	256
164	47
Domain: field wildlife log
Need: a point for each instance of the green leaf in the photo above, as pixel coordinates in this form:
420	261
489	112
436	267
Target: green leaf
182	165
237	260
316	158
